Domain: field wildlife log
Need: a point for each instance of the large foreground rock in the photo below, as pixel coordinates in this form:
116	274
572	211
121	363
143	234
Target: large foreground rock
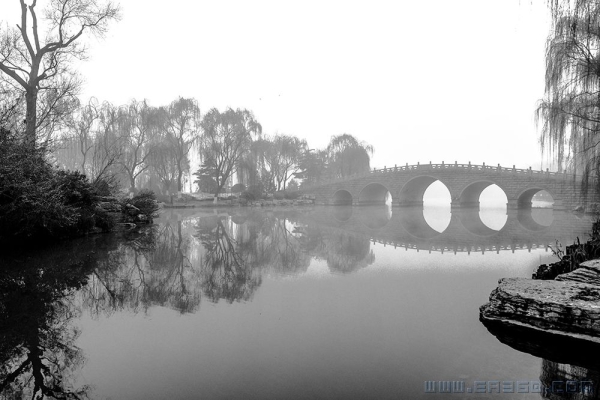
565	306
588	272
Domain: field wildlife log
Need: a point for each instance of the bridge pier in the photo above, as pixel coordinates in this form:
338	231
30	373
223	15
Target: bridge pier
515	204
408	203
469	205
559	206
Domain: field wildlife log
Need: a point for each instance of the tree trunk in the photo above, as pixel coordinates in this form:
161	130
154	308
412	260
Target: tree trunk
31	116
179	176
132	182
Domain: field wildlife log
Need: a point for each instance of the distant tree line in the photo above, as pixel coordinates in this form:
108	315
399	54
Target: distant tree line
138	145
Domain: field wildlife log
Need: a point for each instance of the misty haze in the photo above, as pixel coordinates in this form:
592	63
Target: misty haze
318	200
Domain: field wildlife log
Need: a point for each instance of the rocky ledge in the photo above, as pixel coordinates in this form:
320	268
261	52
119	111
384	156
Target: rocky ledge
568	305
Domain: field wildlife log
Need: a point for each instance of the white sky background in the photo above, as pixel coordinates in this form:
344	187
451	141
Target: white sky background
421	81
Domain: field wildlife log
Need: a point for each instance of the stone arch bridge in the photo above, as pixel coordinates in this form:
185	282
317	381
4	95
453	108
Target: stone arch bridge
465	182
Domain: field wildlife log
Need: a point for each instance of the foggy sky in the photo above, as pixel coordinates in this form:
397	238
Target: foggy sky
420	81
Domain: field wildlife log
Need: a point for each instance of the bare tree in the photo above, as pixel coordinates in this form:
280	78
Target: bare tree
107	149
40	68
81	125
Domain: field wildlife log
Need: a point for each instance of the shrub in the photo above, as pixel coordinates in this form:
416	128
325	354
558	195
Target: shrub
278	195
291	195
36	199
163	198
256	190
106	186
77	190
248	195
104	220
143	203
572	257
238	188
185	198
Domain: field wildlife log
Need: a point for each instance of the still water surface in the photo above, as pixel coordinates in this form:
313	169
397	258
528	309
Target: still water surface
326	303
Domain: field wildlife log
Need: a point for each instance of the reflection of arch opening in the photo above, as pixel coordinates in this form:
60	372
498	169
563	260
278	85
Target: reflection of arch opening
535	197
493	207
342	213
436	206
413	221
535	219
374	194
471	219
375	217
342	197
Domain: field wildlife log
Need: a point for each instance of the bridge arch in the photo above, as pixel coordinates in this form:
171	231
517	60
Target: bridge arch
470	195
525	197
341	197
412	192
374	193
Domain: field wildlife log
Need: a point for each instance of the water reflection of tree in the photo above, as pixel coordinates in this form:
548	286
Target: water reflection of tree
219	256
344	251
224	272
270	242
284	242
151	268
38	358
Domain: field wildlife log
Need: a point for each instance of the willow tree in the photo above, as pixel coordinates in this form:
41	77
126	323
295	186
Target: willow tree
347	155
570	109
183	128
225	139
40	66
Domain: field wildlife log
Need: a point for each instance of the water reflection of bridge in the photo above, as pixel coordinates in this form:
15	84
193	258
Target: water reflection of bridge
407	228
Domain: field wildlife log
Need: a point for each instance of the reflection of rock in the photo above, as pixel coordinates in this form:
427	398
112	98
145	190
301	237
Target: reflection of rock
557	348
565	359
562	307
569	381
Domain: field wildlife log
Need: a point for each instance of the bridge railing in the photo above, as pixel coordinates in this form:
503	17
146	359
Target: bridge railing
443	166
462	248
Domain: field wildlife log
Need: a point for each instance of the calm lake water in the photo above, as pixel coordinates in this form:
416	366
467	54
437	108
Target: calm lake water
323	303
